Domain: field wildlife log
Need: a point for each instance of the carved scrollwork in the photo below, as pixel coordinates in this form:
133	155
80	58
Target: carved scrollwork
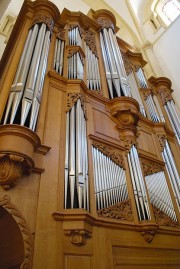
121	210
11	169
150	167
71	27
162	219
129	142
162	140
72	99
78	237
127	63
71	52
165	95
25	231
44	19
146	93
105	23
61	34
114	154
90	40
148	235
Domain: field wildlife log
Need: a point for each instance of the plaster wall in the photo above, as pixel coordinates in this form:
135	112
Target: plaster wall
167	51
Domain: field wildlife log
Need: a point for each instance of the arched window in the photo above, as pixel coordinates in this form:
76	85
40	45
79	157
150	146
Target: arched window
171	9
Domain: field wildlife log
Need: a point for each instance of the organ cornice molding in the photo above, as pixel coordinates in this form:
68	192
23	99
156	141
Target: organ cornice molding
136	58
114	154
121	210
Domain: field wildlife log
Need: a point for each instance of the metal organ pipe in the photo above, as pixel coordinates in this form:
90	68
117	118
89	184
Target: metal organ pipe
138	184
141	78
114	67
159	193
29	78
172	171
93	75
58	56
135	92
174	118
109	180
76	160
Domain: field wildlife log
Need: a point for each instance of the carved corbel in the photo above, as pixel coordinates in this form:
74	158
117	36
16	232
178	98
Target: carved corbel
12	167
148	235
78	237
72	99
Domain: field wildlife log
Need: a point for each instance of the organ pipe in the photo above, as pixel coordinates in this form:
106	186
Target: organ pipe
26	90
141	78
172	171
114	67
159	193
74	36
75	66
138	184
174	117
58	56
109	180
76	160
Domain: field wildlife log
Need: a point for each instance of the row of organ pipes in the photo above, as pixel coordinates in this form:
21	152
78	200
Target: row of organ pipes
109	178
76	159
26	90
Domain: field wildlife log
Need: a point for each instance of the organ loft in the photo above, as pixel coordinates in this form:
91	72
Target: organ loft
89	148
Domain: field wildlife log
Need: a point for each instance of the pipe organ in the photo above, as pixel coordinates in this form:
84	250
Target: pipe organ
88	145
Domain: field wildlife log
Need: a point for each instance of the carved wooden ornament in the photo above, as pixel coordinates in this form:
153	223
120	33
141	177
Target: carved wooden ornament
90	40
162	219
78	237
150	167
114	154
11	169
105	23
165	95
127	63
72	99
162	140
44	19
61	34
148	235
121	210
25	231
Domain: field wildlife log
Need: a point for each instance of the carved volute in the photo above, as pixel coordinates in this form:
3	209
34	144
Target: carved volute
162	86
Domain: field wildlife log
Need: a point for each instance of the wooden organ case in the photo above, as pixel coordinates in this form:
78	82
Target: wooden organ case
89	148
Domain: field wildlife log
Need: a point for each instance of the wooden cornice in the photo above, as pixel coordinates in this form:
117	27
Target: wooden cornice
124	45
161	81
136	57
84	21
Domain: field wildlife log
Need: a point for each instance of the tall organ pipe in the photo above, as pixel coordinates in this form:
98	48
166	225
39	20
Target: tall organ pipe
114	67
138	184
76	161
26	89
174	118
58	56
172	171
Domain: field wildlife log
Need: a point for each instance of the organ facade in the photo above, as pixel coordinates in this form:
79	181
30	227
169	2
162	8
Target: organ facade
89	148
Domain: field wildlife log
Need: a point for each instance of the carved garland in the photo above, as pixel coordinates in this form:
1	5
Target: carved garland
127	63
105	23
46	20
150	167
25	231
162	140
61	34
78	237
114	154
122	211
72	99
162	219
90	40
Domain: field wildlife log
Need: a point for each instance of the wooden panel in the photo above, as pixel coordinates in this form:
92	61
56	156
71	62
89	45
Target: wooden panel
77	262
146	142
137	258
